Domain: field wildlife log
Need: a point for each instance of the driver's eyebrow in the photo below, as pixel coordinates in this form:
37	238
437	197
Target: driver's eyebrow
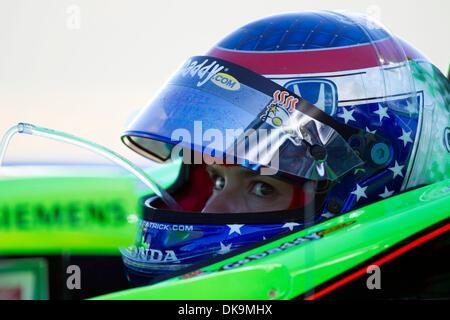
214	169
211	169
247	173
243	172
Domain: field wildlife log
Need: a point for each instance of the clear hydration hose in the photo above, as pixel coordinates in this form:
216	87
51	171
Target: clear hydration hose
114	157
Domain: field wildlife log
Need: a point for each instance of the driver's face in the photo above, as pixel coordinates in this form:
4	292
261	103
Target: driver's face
237	189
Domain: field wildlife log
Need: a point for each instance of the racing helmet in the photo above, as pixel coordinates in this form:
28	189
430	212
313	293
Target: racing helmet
338	106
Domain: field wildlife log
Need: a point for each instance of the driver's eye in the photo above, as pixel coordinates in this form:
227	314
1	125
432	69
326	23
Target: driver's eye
263	189
219	183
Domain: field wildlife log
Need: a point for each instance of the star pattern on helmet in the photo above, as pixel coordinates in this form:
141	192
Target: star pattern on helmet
224	249
397	170
382	112
386	193
290	225
405	137
347	115
360	192
411	106
235	228
369	131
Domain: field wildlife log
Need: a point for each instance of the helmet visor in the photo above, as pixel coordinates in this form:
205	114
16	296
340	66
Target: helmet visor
238	116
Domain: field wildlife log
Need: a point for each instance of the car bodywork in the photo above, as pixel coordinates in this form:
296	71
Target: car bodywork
80	216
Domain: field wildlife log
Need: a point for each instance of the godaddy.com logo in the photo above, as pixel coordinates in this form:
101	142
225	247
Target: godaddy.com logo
203	70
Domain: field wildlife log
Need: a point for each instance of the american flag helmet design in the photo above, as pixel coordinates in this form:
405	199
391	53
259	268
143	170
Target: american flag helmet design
361	76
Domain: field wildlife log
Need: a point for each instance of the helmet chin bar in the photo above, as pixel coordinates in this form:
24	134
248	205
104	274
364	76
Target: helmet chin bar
104	152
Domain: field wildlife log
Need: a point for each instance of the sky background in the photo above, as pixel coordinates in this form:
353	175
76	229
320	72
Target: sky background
85	67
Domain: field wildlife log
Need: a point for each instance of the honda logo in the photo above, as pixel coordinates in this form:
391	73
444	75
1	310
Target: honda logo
320	92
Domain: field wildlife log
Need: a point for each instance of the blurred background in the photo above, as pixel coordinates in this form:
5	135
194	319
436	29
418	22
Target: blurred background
85	67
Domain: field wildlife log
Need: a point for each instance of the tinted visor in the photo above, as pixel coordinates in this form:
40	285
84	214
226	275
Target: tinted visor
233	114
